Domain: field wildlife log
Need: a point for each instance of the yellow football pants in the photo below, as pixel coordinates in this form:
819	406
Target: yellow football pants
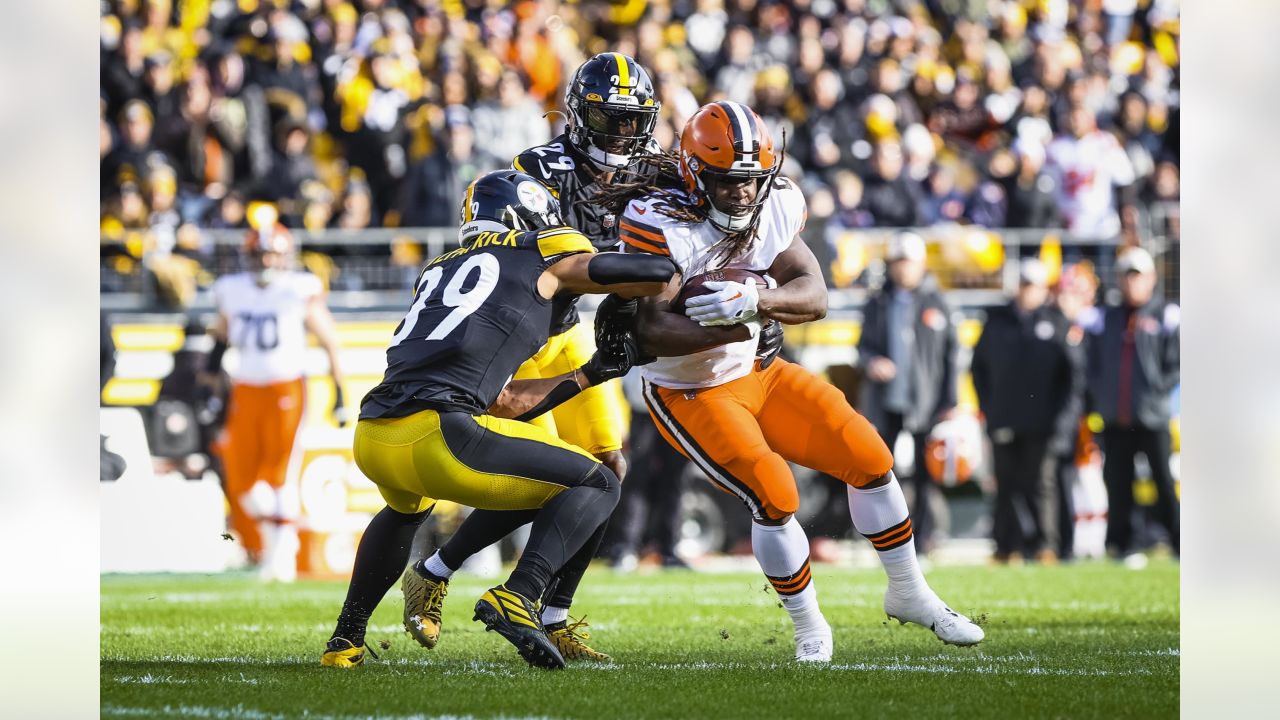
593	419
480	461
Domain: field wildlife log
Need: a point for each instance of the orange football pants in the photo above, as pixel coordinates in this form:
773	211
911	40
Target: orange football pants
257	444
742	433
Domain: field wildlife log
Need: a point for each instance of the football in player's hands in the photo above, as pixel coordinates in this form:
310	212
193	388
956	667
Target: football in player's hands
697	285
729	302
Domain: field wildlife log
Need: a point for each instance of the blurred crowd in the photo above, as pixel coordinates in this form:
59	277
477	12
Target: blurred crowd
367	113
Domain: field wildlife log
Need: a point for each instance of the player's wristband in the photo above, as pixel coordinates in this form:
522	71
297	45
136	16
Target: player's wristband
214	364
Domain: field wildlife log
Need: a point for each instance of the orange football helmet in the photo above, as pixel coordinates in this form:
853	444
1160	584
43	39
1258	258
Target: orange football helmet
953	450
728	142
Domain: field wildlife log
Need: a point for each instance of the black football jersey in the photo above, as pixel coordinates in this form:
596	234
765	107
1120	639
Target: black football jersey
568	173
476	316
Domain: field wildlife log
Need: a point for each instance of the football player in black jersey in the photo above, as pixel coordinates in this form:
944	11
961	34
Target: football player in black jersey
612	113
446	424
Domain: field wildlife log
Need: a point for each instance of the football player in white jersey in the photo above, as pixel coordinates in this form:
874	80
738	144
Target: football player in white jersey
265	314
1088	165
740	419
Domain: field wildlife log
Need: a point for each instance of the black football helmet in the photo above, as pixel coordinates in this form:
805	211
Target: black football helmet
612	110
507	200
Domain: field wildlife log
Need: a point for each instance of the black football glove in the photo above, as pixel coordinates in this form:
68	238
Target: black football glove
769	344
614	315
617	350
613	364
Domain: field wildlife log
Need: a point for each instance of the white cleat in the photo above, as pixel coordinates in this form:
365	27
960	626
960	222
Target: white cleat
927	609
815	646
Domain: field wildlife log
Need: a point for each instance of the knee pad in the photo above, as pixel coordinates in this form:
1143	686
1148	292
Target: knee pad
871	458
776	490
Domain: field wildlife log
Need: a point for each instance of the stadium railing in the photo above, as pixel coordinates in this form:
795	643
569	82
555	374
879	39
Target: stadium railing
370	270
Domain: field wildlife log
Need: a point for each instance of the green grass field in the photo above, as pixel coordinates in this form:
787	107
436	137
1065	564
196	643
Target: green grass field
1088	640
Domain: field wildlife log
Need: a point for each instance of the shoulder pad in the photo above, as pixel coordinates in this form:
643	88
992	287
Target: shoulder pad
642	226
794	205
548	164
308	284
562	240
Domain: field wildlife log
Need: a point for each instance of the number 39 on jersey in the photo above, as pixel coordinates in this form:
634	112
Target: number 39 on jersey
434	317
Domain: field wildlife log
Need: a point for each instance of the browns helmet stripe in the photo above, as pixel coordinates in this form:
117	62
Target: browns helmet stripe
746	140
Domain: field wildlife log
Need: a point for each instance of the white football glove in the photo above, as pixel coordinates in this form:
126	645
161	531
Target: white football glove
730	304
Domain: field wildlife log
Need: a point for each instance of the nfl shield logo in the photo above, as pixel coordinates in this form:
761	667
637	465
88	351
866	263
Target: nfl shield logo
608	220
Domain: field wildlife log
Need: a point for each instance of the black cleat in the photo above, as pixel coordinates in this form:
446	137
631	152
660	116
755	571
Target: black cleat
514	617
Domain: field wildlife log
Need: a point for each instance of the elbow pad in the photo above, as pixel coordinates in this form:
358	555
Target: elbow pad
615	268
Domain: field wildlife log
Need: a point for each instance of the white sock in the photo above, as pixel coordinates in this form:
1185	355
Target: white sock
552	614
783	554
436	566
880	514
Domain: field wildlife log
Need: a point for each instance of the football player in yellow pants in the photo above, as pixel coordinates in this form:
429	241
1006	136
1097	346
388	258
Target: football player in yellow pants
444	423
613	110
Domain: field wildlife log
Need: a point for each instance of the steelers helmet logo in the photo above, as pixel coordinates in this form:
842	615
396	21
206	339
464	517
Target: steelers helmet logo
532	196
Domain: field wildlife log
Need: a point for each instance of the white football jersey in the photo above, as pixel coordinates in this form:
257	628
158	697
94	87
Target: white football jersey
1086	169
266	324
693	248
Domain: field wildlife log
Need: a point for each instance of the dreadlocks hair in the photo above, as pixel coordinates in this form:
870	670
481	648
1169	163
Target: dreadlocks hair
676	204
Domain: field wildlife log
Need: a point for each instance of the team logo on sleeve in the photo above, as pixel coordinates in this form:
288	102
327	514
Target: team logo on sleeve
532	196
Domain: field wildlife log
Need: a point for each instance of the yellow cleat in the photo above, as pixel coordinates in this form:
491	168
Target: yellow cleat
423	601
515	618
342	653
570	640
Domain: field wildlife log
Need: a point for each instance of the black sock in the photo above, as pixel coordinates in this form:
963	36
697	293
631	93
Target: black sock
562	527
560	591
481	529
380	559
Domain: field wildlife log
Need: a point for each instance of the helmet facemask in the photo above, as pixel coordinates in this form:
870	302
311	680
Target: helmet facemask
610	134
736	217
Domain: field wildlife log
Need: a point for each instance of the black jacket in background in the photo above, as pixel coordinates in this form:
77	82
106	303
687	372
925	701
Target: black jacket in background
933	360
1034	206
434	187
1028	372
893	203
1155	356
